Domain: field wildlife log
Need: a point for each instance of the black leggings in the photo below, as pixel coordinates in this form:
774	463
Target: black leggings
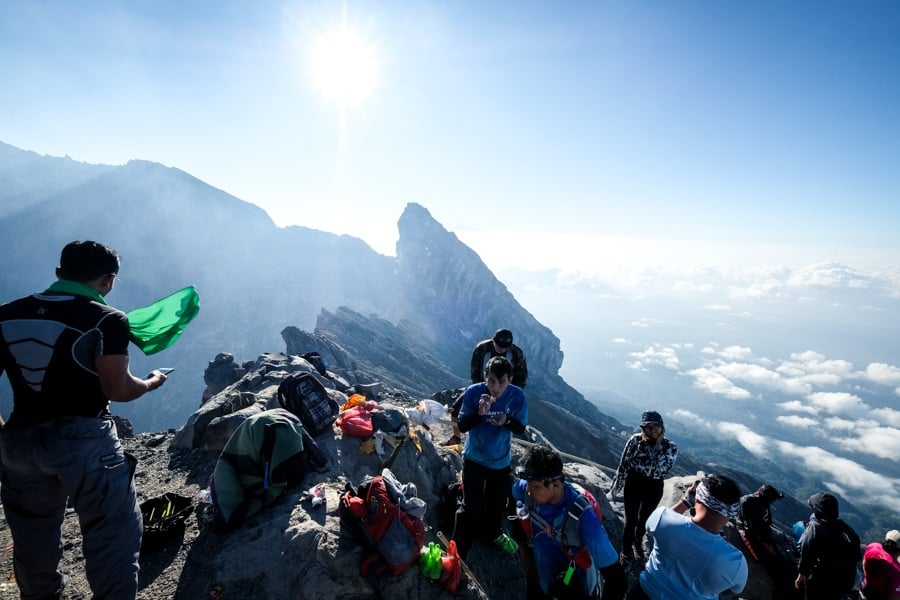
642	496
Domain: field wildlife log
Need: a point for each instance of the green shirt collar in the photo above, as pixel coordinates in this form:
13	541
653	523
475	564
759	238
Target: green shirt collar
66	286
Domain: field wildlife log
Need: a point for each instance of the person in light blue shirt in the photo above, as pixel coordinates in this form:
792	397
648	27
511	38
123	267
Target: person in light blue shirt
491	412
690	560
559	545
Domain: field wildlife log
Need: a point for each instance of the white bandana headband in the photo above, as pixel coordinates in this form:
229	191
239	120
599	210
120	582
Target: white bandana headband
729	511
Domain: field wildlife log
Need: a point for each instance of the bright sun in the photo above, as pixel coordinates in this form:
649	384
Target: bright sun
344	67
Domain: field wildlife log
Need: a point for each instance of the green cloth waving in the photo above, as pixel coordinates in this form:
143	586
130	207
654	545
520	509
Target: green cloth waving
156	327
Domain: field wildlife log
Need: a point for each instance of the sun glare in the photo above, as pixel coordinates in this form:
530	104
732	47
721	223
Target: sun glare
344	67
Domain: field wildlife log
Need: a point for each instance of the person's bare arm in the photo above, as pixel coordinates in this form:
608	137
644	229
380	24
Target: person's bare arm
117	382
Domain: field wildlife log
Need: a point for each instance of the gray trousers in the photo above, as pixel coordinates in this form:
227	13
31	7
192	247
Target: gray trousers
75	460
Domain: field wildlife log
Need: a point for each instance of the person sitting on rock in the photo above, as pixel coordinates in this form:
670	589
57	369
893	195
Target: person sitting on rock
881	571
491	412
548	504
646	460
501	344
690	560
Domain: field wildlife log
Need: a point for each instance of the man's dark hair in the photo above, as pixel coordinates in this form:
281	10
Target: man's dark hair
498	367
724	489
542	463
84	261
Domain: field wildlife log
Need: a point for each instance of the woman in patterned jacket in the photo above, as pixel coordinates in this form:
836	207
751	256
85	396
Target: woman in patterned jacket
646	460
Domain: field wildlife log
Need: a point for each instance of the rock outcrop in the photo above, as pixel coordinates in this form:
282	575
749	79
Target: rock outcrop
294	550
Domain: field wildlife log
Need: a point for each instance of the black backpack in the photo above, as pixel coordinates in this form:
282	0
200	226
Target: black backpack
303	395
845	556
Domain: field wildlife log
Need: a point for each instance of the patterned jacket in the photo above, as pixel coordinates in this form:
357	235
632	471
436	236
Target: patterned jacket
654	461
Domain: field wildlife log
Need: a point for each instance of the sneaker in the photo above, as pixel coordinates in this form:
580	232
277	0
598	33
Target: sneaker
453	441
507	544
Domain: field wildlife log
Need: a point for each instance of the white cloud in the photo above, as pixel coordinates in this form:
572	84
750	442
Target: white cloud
715	383
832	275
718	307
798	406
883	373
815	369
883	442
846	474
797	421
657	354
886	416
840	424
686	415
839	403
736	353
620	340
746	437
763	377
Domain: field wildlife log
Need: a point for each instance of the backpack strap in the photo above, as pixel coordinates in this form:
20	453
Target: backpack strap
569	533
571	529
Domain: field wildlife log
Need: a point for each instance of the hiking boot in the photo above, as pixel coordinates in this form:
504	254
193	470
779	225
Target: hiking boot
453	441
506	543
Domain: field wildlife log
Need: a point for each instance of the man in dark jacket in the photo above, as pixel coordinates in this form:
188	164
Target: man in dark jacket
501	344
829	552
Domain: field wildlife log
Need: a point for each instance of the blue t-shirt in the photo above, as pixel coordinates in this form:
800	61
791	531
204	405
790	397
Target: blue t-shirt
688	562
488	444
549	558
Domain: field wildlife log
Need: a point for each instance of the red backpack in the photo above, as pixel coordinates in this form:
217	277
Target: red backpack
356	421
395	535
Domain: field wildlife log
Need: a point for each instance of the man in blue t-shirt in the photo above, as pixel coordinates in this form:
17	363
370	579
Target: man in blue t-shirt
547	512
491	412
690	559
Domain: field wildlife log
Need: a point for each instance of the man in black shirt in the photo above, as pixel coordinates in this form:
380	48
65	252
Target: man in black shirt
65	352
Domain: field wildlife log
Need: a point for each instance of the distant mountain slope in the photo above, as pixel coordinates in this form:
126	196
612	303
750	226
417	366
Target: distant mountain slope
254	278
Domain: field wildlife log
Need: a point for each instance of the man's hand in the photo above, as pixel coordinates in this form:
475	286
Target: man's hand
155	379
484	405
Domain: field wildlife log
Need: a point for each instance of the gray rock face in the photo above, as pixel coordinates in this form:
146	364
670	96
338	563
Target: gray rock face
221	372
456	298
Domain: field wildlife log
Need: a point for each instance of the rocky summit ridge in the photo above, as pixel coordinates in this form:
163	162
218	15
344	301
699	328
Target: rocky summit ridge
294	550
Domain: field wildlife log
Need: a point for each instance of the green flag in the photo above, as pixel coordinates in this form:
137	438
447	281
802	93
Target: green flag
156	327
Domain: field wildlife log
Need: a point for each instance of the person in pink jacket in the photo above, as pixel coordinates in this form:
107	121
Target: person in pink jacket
881	571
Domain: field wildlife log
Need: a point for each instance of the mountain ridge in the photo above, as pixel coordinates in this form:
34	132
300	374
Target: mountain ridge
255	279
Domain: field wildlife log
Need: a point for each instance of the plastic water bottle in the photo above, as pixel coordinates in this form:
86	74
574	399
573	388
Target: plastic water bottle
524	516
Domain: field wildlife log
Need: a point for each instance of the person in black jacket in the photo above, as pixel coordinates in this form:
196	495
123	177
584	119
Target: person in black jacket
500	344
755	524
829	552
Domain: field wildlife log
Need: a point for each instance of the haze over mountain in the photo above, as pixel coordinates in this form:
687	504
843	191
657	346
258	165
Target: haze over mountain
723	361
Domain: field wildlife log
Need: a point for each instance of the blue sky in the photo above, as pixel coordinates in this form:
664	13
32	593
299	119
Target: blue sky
752	122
